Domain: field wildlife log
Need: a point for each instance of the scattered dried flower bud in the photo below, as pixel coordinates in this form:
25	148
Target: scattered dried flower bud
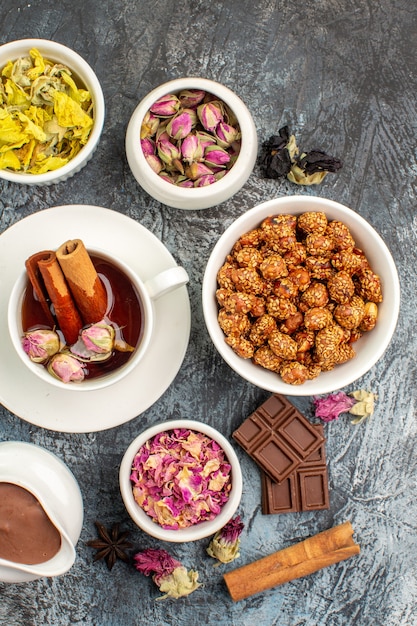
168	574
330	407
226	542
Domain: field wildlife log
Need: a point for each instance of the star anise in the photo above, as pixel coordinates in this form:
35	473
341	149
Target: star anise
111	545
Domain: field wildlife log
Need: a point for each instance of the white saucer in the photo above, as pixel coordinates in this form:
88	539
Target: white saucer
32	466
49	407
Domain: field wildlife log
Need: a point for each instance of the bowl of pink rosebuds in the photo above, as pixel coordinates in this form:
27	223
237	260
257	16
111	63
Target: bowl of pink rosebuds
191	143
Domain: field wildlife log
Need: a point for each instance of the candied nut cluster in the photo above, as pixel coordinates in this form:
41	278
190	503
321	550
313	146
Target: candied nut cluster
295	293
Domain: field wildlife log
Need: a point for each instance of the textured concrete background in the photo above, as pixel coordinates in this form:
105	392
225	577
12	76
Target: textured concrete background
342	74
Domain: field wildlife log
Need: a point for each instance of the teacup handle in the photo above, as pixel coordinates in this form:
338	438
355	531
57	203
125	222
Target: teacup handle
166	281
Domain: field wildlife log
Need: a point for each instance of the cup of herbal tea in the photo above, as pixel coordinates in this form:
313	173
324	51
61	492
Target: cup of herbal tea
82	319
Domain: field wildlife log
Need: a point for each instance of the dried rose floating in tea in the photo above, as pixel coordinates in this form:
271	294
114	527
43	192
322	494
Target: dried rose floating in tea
190	139
281	157
181	478
45	117
172	578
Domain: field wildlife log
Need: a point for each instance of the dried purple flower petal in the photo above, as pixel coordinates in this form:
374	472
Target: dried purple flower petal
330	407
318	161
275	158
168	574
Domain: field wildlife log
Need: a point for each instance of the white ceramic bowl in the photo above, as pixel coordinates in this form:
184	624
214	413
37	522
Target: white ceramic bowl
82	72
192	198
198	531
369	348
147	291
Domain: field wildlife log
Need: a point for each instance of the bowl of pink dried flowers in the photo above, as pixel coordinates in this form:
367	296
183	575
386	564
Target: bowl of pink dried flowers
191	143
180	481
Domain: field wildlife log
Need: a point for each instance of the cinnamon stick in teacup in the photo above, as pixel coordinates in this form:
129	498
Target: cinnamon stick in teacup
66	313
37	283
296	561
86	287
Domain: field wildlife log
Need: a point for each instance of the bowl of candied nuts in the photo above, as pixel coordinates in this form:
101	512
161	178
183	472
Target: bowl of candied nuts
301	296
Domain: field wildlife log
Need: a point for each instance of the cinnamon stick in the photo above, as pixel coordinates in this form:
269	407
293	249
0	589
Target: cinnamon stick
38	286
296	561
86	287
66	313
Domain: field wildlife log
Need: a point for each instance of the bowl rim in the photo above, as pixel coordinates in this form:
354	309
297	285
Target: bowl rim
198	531
242	168
78	65
258	376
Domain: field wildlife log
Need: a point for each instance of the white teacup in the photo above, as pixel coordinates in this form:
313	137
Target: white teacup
148	291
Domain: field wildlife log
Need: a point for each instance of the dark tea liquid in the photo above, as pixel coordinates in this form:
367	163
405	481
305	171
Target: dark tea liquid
124	313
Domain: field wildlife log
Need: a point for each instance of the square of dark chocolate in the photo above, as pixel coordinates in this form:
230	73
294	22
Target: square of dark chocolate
278	437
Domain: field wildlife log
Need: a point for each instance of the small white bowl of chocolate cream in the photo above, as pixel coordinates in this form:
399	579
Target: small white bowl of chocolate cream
35	539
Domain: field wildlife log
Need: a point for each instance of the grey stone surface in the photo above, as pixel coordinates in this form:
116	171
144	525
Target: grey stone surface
342	74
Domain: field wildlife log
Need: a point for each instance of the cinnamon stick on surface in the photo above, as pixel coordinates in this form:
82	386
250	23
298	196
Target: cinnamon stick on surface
66	313
301	559
86	287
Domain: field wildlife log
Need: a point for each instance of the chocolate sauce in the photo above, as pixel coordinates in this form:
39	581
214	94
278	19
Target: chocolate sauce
124	312
27	535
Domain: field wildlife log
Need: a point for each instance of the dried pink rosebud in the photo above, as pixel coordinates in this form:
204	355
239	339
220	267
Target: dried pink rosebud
191	97
98	337
148	146
186	182
226	134
154	162
191	149
167	151
168	574
66	368
196	170
166	106
204	181
330	407
226	542
205	139
216	156
180	125
150	124
40	344
210	114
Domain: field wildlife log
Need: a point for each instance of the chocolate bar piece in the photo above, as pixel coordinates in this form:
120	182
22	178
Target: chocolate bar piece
278	437
306	489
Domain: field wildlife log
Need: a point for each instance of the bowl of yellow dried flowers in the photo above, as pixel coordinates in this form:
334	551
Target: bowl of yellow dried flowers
301	296
51	112
191	143
180	480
